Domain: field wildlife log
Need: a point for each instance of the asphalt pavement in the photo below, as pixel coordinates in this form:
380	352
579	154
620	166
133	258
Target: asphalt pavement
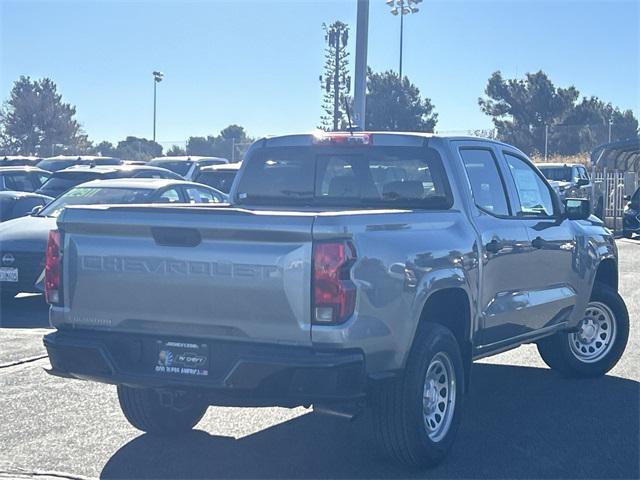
521	421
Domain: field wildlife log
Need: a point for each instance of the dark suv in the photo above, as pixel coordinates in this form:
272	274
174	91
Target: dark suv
631	220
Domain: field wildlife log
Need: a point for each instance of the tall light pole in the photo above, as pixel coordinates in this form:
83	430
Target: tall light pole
402	8
610	125
157	78
360	81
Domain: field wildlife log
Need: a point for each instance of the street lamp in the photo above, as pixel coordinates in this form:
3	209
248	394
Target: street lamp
157	78
402	8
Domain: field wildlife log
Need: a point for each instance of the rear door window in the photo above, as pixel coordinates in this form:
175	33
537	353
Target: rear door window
200	195
169	196
487	185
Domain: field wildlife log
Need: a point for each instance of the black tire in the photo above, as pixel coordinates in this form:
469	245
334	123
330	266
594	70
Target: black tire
627	234
145	411
558	353
397	406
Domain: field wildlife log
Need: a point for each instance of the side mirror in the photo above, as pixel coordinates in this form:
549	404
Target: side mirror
36	210
582	182
577	208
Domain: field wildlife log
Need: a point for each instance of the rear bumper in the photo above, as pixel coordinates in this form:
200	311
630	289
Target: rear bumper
240	373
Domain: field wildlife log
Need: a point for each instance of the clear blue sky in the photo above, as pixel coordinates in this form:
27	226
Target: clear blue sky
256	63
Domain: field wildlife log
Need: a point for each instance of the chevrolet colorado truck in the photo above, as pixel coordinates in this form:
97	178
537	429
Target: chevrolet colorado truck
349	272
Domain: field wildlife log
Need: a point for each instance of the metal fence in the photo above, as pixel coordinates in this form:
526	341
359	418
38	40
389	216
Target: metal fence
610	187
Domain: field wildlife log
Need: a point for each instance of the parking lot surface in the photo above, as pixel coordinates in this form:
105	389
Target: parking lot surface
521	421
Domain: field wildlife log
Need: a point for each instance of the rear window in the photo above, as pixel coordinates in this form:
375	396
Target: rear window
562	174
54	165
63	182
219	180
368	177
180	167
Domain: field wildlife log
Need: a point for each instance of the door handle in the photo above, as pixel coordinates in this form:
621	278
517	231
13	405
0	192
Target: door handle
538	242
494	246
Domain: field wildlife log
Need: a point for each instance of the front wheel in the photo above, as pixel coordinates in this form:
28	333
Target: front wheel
627	234
597	344
416	416
146	410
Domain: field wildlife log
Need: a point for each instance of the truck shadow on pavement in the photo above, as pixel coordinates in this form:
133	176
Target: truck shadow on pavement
519	423
27	311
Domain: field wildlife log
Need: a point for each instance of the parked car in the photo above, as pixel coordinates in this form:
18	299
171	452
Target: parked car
569	180
63	180
19	204
350	271
19	160
53	164
23	241
186	166
631	218
219	177
22	178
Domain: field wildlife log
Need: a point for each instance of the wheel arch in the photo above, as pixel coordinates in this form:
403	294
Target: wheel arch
607	273
451	307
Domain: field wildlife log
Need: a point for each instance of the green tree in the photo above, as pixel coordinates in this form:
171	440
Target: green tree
176	151
394	105
222	145
522	109
105	149
35	121
335	81
134	148
236	133
587	125
527	112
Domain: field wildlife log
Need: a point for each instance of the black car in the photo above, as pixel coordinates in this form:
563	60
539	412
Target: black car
631	219
63	180
23	241
22	178
53	164
19	204
219	177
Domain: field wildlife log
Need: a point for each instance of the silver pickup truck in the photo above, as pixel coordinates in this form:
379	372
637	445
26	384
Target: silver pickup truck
349	272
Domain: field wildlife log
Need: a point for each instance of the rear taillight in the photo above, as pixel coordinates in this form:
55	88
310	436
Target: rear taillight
53	268
334	294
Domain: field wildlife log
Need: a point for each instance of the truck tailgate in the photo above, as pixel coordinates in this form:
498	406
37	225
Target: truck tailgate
182	271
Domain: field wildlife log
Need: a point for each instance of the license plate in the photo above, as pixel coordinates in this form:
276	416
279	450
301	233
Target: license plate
183	358
8	274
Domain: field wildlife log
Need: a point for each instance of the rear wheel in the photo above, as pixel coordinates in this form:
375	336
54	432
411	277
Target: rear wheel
147	410
627	234
597	344
416	416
